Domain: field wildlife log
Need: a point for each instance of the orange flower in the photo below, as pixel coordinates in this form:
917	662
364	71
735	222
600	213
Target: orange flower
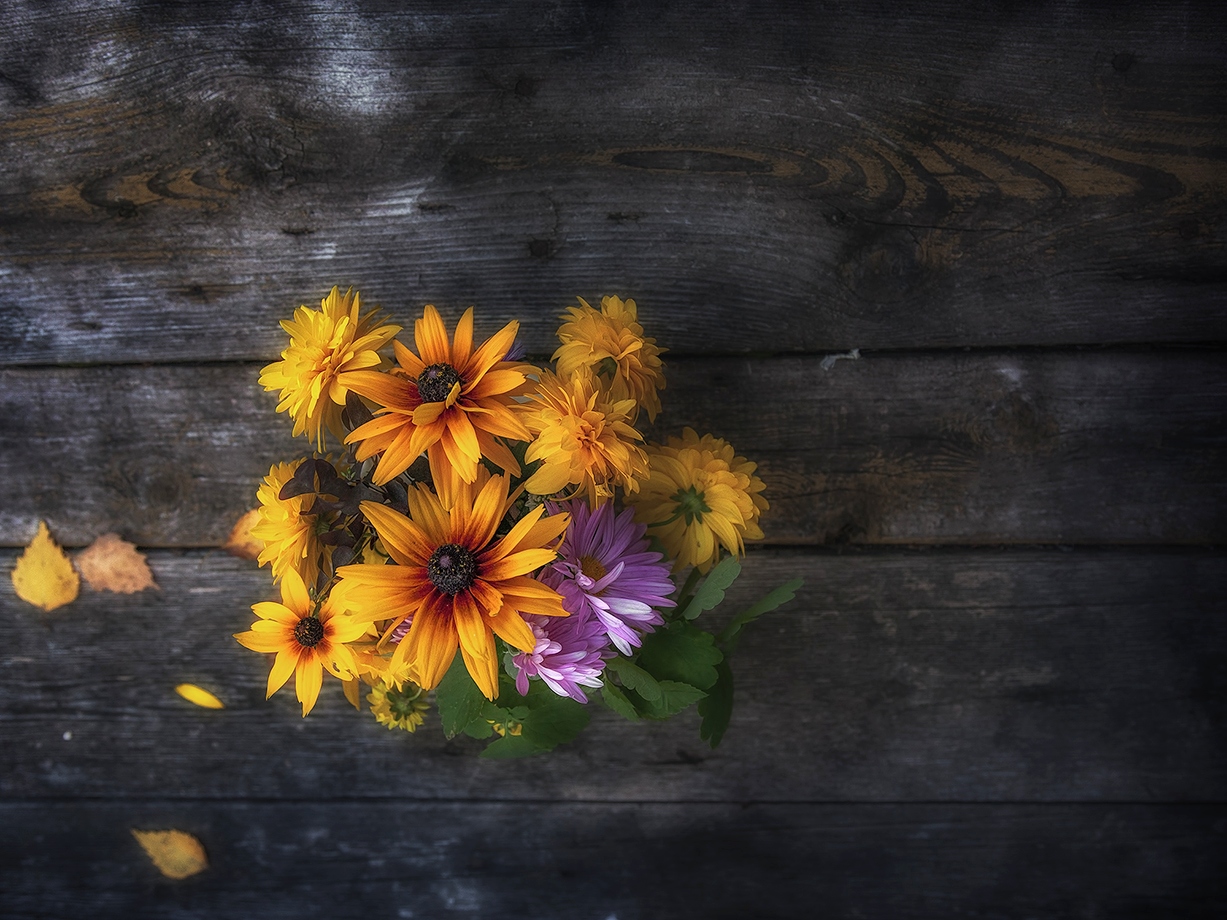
460	585
449	400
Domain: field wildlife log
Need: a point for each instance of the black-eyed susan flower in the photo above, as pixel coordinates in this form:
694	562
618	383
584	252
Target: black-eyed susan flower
291	538
459	586
307	637
698	497
583	438
404	708
610	342
450	400
324	344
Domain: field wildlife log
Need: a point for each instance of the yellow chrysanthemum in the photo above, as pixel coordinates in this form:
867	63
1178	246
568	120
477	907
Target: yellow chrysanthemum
306	640
584	439
291	540
698	497
324	343
405	708
610	342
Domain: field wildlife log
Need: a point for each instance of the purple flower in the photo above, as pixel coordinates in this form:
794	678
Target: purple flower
607	573
570	653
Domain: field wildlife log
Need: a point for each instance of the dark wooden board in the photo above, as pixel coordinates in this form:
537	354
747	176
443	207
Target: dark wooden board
777	177
1078	447
1024	675
321	858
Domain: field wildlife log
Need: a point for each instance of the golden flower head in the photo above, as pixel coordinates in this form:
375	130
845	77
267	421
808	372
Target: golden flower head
610	342
698	497
450	399
324	344
307	638
584	438
291	540
403	708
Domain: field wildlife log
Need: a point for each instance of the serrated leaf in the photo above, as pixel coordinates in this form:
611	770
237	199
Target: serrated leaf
717	708
458	698
634	678
111	563
177	854
199	696
683	653
674	697
240	542
773	599
711	592
44	576
616	700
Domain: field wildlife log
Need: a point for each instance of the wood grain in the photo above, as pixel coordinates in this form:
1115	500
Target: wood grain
177	180
1076	447
1040	676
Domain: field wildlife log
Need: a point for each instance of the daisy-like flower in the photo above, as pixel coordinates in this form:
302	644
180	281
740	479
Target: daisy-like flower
449	400
461	586
584	439
324	344
608	573
699	497
307	640
611	343
405	708
291	540
570	653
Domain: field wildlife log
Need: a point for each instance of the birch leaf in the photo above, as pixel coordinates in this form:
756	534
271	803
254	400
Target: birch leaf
177	854
113	564
199	696
44	576
240	542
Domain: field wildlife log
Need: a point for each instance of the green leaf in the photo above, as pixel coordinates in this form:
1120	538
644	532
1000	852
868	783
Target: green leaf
717	708
510	746
635	678
711	592
542	728
683	653
674	697
774	598
616	700
458	699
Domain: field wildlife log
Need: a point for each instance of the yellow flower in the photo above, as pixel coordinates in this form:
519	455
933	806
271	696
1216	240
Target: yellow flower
611	343
583	438
699	497
405	708
324	343
460	585
290	537
449	400
305	639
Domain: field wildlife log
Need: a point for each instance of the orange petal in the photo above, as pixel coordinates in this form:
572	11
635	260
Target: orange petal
477	644
431	643
512	629
521	563
399	533
486	513
410	362
308	678
430	335
382	388
427	412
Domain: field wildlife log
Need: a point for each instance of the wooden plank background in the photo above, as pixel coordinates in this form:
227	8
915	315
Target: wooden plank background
1001	692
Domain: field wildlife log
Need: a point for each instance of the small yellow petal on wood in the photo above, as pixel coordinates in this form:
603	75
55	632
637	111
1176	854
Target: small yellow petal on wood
352	690
43	575
176	854
194	694
240	542
113	564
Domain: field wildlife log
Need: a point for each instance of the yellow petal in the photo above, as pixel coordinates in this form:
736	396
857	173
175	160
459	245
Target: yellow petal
43	575
177	854
194	694
113	564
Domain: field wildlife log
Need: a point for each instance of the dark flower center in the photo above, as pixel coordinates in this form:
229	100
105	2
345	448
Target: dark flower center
436	382
309	632
452	568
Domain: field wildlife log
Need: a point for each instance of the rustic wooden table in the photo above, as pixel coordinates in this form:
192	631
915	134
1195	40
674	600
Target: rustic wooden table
1002	692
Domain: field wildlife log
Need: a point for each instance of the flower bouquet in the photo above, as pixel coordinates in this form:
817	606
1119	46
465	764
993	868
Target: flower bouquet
483	504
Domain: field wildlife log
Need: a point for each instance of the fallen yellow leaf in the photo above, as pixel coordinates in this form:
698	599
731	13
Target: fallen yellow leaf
240	542
177	854
113	564
43	575
200	697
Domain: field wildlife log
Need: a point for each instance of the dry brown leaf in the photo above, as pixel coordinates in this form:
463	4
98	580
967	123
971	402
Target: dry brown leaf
43	575
199	696
113	564
240	542
177	854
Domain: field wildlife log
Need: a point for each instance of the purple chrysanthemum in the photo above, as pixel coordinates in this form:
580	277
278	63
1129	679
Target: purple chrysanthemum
570	653
607	573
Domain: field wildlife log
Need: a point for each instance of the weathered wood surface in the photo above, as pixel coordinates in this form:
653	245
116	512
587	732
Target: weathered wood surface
565	860
1075	447
778	177
1027	675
